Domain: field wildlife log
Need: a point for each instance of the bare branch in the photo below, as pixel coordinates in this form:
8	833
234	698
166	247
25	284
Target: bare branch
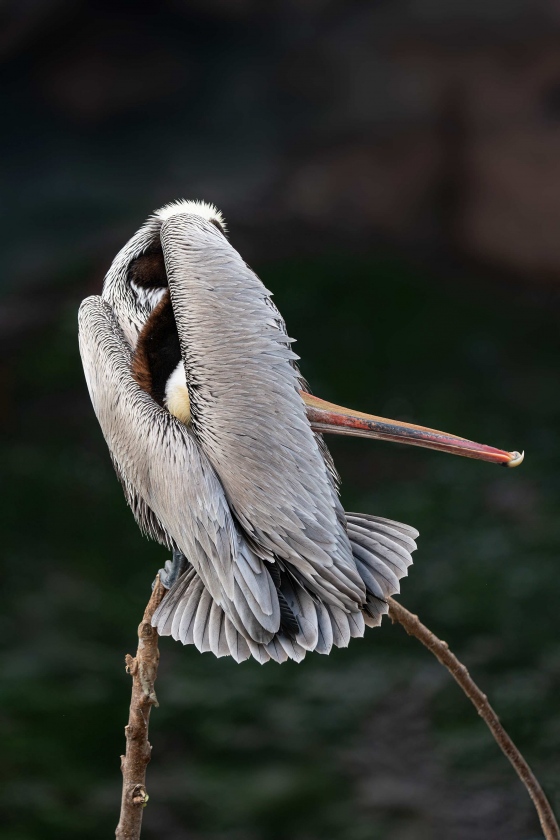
440	649
143	669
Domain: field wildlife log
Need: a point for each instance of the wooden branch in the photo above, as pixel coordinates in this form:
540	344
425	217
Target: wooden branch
143	669
460	674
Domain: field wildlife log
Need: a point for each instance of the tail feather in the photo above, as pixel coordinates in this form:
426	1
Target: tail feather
258	652
325	632
382	524
356	624
218	641
276	651
238	647
291	647
170	607
201	637
373	586
340	625
386	556
374	611
303	609
385	579
384	547
246	620
183	624
273	616
394	551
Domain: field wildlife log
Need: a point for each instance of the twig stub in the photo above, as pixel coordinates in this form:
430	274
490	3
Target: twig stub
143	670
460	674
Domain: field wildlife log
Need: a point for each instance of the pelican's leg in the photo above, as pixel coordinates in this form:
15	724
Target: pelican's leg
172	570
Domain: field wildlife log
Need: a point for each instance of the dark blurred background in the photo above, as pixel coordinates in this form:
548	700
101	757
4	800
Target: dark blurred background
392	171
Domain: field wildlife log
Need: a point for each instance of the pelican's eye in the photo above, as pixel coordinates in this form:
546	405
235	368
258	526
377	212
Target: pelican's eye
147	276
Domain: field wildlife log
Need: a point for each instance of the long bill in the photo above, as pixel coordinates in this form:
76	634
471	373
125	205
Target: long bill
328	417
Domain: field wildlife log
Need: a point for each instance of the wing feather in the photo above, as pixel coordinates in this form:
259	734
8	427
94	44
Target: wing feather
247	412
164	466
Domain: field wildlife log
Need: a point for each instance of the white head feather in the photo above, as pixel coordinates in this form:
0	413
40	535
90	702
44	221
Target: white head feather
198	208
133	305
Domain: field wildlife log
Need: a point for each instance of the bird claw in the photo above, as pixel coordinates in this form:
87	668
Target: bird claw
172	570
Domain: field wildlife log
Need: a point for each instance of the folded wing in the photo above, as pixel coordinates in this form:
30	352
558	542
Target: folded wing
248	415
170	484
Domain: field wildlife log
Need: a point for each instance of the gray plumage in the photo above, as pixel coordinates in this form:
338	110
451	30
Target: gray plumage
247	491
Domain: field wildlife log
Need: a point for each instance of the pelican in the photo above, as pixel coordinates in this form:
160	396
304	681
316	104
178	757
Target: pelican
218	445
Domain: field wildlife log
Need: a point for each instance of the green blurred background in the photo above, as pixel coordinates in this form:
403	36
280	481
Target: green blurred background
392	171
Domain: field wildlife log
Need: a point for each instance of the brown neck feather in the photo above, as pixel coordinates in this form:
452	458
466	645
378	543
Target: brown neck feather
157	352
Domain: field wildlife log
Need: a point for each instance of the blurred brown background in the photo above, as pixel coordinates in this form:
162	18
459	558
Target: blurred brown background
392	170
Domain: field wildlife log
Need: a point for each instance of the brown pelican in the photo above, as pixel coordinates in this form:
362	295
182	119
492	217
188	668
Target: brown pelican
218	446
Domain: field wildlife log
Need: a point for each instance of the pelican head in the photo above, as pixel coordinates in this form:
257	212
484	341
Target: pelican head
137	278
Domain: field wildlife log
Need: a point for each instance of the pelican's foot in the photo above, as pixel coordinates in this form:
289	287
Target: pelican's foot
172	570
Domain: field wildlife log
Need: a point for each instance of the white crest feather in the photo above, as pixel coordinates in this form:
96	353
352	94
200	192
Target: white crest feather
198	208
